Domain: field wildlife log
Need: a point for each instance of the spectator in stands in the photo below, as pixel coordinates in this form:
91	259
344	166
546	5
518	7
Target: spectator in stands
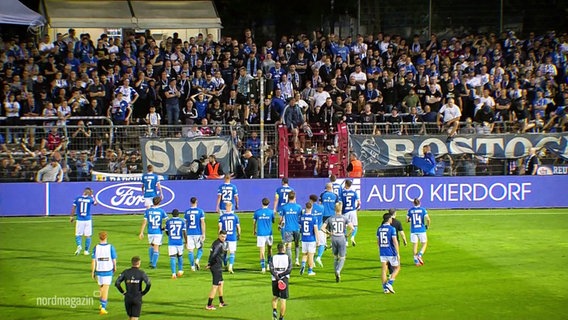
120	110
253	144
213	169
172	95
188	114
51	172
448	119
251	170
355	167
81	137
84	168
153	122
532	162
133	164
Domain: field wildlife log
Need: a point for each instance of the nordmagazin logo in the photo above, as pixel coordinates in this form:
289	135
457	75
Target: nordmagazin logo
128	197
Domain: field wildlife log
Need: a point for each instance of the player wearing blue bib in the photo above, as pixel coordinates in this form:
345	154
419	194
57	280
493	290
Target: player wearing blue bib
153	218
289	224
103	266
227	192
151	186
317	212
195	222
336	187
419	223
176	231
388	251
351	204
262	228
310	232
281	195
229	222
84	225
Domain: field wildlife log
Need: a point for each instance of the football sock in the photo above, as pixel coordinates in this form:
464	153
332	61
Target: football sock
303	264
155	256
150	254
297	252
416	260
104	303
262	264
210	302
289	252
221	299
191	258
391	282
321	249
87	243
269	258
335	263
199	253
354	232
78	240
340	264
231	258
180	263
225	259
310	270
173	261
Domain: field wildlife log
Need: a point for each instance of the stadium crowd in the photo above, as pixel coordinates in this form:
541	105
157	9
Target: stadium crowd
378	84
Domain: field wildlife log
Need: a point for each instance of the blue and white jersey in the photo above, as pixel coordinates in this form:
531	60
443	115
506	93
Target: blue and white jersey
127	93
264	218
227	191
328	200
103	254
349	199
150	184
282	194
82	206
307	223
317	212
229	222
291	213
337	189
193	218
417	216
155	217
385	236
175	227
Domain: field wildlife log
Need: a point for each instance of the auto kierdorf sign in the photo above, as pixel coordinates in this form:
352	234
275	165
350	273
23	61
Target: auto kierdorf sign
128	197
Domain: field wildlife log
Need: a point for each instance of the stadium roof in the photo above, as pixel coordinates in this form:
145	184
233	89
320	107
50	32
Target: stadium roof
14	12
137	14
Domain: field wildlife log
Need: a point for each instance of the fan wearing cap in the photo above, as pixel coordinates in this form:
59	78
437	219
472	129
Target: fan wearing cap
280	268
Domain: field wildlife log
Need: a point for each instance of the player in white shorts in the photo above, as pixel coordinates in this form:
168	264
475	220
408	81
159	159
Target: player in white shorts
103	266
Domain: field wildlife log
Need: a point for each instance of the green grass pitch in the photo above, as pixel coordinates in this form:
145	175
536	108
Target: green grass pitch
480	264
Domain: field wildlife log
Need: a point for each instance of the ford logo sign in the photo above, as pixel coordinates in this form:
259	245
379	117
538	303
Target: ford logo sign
128	197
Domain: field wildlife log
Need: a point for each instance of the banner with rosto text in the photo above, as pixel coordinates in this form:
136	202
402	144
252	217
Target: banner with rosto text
382	152
103	176
172	156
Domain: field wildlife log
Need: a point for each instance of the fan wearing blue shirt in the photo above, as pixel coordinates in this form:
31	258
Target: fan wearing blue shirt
195	223
289	224
317	212
229	222
419	223
153	218
262	227
351	204
227	192
388	251
84	225
177	235
151	186
309	230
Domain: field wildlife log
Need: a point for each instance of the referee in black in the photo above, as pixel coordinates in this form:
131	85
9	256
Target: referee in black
215	264
133	295
398	227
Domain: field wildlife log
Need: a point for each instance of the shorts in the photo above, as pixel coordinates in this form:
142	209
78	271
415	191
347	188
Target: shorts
194	242
155	239
291	236
309	247
217	276
338	246
282	294
352	217
231	246
175	250
321	238
392	260
84	228
148	202
418	236
101	280
261	241
133	307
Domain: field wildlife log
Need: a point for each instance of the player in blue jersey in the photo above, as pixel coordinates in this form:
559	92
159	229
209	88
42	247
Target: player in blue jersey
419	223
229	222
195	222
177	235
388	251
103	266
310	235
262	228
317	212
84	225
328	200
281	195
153	218
227	192
289	224
336	187
151	186
351	204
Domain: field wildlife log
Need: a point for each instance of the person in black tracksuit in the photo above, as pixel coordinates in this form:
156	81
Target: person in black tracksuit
133	278
398	226
215	264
